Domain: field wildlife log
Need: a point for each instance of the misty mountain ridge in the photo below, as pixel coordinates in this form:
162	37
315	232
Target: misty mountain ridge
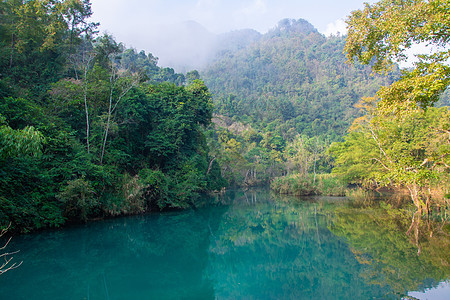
189	45
291	79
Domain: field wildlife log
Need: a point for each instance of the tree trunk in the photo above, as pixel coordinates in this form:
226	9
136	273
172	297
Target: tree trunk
12	52
210	165
107	125
87	122
86	69
111	108
414	192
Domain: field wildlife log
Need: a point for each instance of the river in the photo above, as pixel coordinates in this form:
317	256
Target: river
246	245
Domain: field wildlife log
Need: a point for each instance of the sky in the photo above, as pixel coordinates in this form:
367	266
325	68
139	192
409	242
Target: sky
137	23
127	19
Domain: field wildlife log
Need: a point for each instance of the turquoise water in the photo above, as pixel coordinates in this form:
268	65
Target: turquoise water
246	246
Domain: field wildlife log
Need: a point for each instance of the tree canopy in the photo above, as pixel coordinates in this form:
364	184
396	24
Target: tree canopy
381	34
401	140
89	128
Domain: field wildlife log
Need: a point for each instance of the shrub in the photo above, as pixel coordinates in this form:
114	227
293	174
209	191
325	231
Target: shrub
301	185
78	198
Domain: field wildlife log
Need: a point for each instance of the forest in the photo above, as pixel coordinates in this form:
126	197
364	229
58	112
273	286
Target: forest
294	106
284	98
91	129
285	165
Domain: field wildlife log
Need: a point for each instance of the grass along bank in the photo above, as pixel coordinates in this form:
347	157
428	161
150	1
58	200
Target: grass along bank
306	185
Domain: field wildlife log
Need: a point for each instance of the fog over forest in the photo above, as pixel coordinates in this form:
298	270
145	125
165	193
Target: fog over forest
185	35
188	45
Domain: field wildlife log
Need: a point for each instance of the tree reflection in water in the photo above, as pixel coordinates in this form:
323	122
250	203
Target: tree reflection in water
250	245
402	253
327	248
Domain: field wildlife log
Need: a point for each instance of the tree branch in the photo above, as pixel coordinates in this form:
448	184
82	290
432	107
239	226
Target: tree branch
210	165
384	166
7	257
374	136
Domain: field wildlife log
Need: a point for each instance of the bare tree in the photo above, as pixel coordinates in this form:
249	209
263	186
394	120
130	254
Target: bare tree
82	61
114	100
121	80
7	264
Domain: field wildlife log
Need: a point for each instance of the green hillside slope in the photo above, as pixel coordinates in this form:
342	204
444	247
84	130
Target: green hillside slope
292	75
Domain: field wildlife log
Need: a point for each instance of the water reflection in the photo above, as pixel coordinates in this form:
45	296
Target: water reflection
399	255
440	292
149	257
283	250
249	245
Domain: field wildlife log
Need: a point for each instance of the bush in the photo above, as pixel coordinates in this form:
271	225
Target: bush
155	188
301	185
78	198
128	200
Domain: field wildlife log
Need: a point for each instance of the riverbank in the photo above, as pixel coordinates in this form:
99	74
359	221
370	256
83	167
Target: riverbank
307	185
248	244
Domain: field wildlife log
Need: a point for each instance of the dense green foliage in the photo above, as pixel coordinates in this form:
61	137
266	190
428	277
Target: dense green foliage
396	147
281	99
399	139
89	128
301	185
293	76
402	139
252	157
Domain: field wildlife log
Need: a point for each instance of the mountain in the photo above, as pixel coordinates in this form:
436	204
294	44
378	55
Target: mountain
188	45
293	76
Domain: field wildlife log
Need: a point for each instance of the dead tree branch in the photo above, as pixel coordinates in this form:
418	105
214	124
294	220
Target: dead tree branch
7	257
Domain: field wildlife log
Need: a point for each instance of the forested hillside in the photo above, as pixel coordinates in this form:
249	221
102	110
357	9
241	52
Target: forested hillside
293	76
89	128
281	98
402	138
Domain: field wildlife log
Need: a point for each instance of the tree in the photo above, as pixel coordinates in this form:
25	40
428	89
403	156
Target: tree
411	138
7	264
81	118
82	60
191	76
36	37
76	13
14	143
120	81
382	33
409	150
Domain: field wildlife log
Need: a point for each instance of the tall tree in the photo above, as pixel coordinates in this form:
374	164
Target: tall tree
383	32
36	38
410	137
120	81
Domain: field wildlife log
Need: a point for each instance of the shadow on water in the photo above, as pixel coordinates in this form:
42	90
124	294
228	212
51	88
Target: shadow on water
245	245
